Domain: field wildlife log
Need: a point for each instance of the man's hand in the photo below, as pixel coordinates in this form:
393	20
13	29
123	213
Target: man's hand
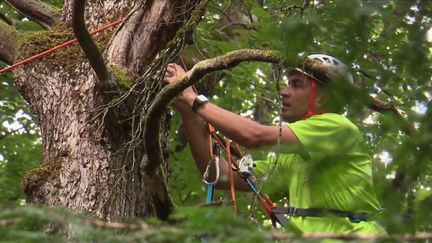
173	72
185	100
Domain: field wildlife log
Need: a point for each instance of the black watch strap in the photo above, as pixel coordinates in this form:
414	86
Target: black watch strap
198	102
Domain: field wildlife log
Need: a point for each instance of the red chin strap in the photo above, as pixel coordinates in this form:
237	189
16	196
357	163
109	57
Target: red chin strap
312	98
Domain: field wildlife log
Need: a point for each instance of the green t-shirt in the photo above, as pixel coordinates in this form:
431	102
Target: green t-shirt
330	170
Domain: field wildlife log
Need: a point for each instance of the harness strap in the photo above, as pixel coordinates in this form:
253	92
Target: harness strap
354	217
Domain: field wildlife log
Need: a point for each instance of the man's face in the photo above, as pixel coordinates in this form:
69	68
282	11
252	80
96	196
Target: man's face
295	97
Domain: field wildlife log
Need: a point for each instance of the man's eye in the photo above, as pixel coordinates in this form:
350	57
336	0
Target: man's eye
294	84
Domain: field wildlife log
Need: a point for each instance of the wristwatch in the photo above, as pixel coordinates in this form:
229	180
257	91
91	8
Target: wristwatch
199	101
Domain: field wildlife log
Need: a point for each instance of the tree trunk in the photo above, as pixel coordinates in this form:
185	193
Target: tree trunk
88	165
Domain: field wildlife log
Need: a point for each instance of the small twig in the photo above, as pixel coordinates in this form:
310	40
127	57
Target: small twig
217	203
12	221
11	132
118	226
133	227
245	26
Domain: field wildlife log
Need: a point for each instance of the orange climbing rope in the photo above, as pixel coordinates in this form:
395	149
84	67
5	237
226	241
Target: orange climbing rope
231	176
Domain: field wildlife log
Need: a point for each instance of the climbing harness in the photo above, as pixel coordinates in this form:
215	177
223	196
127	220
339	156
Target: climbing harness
245	171
354	217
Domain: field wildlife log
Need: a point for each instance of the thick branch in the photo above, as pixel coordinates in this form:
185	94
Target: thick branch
382	107
38	11
86	42
8	43
7	222
6	133
119	226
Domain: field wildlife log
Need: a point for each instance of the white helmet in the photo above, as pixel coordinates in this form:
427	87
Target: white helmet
330	68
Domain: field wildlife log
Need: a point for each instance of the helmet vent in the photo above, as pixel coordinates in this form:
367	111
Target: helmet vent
323	68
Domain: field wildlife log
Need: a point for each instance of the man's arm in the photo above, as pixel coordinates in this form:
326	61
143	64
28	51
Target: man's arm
245	132
199	141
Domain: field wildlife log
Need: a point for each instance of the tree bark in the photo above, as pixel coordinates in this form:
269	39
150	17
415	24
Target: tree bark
87	164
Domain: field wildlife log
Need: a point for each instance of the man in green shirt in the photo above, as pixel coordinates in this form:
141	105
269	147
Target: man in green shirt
326	167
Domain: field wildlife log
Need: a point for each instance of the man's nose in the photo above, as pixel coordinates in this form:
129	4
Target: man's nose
285	92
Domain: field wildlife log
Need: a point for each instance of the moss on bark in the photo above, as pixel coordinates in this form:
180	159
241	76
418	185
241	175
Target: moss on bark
67	57
35	178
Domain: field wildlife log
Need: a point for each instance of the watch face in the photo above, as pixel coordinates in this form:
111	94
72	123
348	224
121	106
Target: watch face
202	98
199	100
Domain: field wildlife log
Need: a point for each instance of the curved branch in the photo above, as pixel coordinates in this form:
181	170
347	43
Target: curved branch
383	107
41	12
86	42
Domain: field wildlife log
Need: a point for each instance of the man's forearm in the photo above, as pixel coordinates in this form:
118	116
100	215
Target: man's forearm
199	141
198	138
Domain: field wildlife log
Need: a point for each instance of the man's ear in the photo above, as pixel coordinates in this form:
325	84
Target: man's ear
321	97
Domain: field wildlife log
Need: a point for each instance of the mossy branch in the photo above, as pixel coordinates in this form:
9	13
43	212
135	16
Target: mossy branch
86	42
383	107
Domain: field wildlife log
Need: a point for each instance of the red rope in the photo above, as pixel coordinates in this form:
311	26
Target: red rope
311	108
49	51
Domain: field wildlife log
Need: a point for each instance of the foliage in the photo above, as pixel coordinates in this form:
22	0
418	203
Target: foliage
386	42
20	145
187	225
